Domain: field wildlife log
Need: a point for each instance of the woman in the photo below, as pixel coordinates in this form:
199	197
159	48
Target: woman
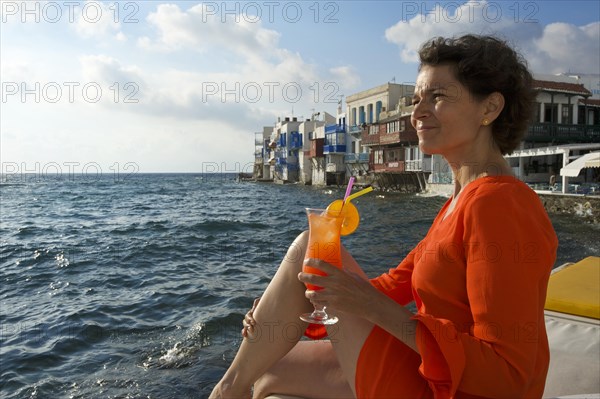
478	278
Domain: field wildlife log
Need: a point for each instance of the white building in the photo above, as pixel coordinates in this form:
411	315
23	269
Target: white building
312	167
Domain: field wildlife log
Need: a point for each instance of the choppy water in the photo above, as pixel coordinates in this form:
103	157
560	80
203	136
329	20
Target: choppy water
136	287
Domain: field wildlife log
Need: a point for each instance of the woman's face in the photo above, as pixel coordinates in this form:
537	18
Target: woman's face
448	119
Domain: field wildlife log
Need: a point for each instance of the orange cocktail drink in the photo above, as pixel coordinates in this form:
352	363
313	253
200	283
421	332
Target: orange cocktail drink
324	230
325	226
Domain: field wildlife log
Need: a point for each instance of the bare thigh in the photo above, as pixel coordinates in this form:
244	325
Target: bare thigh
309	370
321	369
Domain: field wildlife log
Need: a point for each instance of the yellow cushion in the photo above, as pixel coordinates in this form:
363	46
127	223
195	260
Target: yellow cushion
575	289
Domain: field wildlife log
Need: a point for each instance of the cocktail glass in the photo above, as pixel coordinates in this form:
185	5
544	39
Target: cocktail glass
324	229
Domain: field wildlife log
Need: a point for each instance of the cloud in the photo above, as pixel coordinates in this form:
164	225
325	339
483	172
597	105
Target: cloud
346	77
108	70
448	19
177	94
199	29
555	48
564	47
99	20
257	78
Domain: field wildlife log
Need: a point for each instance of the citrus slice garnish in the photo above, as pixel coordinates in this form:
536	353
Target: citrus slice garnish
349	213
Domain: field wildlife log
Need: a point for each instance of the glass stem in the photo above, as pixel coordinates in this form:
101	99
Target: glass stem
319	312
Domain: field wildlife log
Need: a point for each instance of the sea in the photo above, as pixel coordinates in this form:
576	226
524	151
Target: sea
135	286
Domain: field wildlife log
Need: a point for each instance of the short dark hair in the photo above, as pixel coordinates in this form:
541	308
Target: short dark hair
484	65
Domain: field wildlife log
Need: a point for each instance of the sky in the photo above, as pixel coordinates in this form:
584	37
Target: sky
122	87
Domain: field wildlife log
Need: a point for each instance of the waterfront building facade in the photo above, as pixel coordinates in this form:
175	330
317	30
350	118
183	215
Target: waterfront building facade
334	150
285	148
366	107
385	149
312	155
283	151
374	141
263	154
566	125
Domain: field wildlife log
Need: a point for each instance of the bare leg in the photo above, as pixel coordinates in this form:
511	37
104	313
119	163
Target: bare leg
310	369
277	329
321	369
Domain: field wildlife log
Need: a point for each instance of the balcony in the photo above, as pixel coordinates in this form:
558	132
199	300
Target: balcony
370	139
362	157
413	165
335	142
334	149
559	133
409	136
355	131
335	129
395	166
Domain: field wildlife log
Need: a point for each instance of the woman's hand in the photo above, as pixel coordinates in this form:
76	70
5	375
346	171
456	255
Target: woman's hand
350	293
342	290
249	321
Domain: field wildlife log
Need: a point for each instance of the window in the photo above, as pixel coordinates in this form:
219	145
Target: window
566	114
551	113
393	155
393	126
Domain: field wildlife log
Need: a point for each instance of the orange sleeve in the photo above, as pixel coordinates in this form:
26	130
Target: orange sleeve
396	283
510	248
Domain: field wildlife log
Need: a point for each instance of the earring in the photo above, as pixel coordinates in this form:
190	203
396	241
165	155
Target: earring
485	122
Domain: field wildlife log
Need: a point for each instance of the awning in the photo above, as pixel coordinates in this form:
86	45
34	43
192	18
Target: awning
591	160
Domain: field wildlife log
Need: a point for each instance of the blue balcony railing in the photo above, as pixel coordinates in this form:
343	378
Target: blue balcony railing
335	129
334	149
330	129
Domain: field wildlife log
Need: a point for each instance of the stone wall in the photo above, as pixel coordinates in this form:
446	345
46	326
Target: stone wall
586	207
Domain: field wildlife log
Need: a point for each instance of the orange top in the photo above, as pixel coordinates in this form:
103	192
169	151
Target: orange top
479	281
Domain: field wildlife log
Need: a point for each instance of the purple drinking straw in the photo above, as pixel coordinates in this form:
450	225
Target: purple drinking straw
348	189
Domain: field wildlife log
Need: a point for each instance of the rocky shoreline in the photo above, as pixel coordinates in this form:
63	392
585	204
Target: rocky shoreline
586	207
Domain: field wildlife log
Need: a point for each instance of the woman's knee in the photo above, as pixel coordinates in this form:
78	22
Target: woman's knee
297	249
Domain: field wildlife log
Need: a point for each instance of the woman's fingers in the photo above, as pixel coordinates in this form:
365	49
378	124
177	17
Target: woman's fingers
248	322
